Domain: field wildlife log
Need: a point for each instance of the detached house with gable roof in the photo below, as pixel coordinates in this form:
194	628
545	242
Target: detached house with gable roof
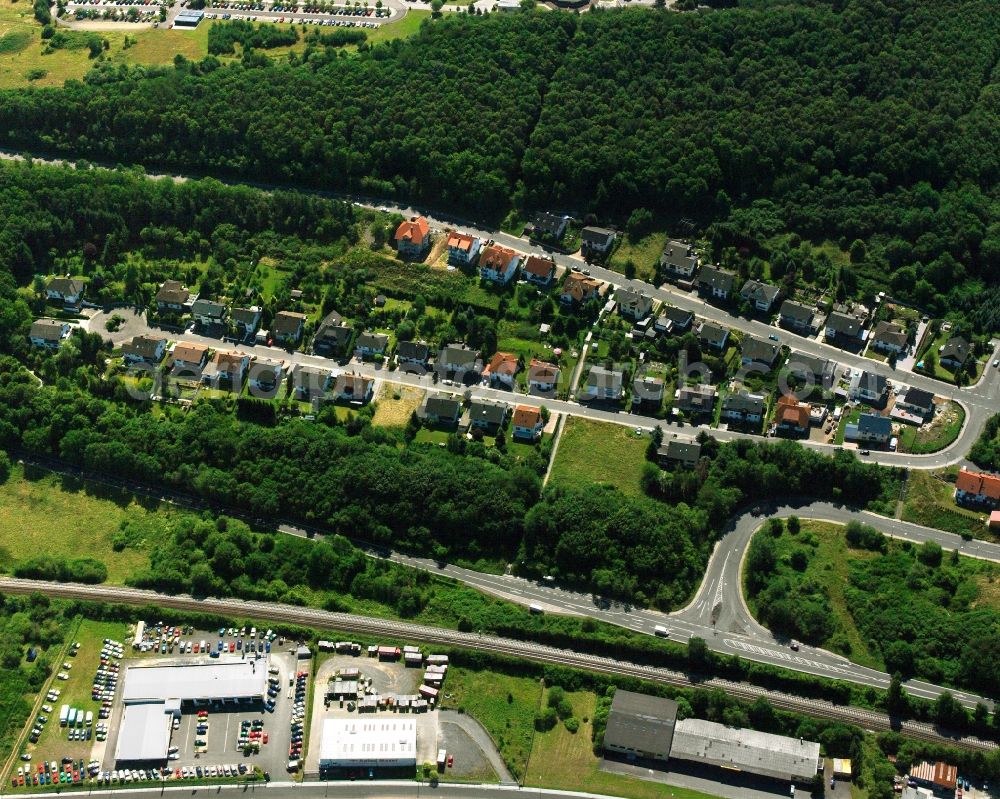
678	261
487	416
287	327
189	357
578	288
539	269
173	296
633	305
887	337
603	384
758	353
502	369
955	352
596	242
743	407
463	248
800	318
716	282
543	377
370	345
527	423
761	296
412	353
869	429
65	290
498	264
48	333
457	362
144	349
792	416
208	312
441	410
245	322
413	238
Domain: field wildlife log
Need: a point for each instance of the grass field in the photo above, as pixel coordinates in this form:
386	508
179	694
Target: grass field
930	501
22	61
829	566
44	513
644	254
599	452
564	760
53	744
396	404
504	705
937	435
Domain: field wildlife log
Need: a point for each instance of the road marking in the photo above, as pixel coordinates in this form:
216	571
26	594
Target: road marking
780	654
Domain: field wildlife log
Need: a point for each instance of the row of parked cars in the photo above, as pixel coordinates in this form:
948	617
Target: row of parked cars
72	772
298	714
119	776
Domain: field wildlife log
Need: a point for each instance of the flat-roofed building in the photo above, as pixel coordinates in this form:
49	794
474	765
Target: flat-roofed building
144	735
209	682
640	726
370	741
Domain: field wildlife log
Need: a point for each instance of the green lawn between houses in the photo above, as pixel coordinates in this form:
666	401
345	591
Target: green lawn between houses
599	452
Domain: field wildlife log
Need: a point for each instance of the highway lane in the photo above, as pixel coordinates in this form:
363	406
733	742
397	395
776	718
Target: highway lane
353	623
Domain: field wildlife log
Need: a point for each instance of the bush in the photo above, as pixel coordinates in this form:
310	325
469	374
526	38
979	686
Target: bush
572	724
546	719
864	536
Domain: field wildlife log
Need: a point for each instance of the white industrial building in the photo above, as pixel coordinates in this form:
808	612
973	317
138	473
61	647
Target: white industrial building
153	695
368	742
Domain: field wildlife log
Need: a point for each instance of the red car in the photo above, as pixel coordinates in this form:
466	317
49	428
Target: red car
264	738
451	761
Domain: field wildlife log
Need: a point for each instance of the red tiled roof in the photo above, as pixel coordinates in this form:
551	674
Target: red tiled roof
413	230
501	363
579	287
791	411
228	360
538	266
190	353
978	483
462	241
543	371
526	416
497	258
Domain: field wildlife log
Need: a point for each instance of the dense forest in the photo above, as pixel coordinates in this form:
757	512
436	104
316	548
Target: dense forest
854	121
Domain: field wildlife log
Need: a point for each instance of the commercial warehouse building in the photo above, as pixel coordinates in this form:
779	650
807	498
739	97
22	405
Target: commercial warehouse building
368	742
646	727
154	695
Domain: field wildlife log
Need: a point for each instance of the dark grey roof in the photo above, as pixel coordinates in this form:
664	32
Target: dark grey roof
172	292
639	304
604	378
246	316
372	341
956	349
712	333
492	413
545	220
142	346
890	333
716	278
874	425
680	450
873	383
820	368
797	311
756	291
919	398
758	350
66	285
844	324
208	308
676	315
679	257
639	722
599	236
47	329
412	350
744	402
444	407
457	357
332	336
648	388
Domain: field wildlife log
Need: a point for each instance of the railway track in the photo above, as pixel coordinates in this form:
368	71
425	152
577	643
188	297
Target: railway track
348	622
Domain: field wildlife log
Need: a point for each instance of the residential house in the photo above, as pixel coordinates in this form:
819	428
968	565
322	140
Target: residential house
603	384
596	242
792	416
413	353
578	288
543	377
356	389
287	327
502	369
890	338
800	318
498	264
869	429
487	416
245	322
48	333
442	411
65	290
695	400
977	488
144	349
549	226
809	367
678	261
843	327
713	336
310	382
870	387
647	393
188	357
539	269
173	296
370	345
463	248
457	362
758	353
229	366
265	375
413	238
633	305
954	353
743	407
673	320
527	423
208	312
761	296
716	282
916	401
333	336
679	453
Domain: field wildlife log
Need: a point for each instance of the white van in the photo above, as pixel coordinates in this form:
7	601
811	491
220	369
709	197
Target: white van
661	631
